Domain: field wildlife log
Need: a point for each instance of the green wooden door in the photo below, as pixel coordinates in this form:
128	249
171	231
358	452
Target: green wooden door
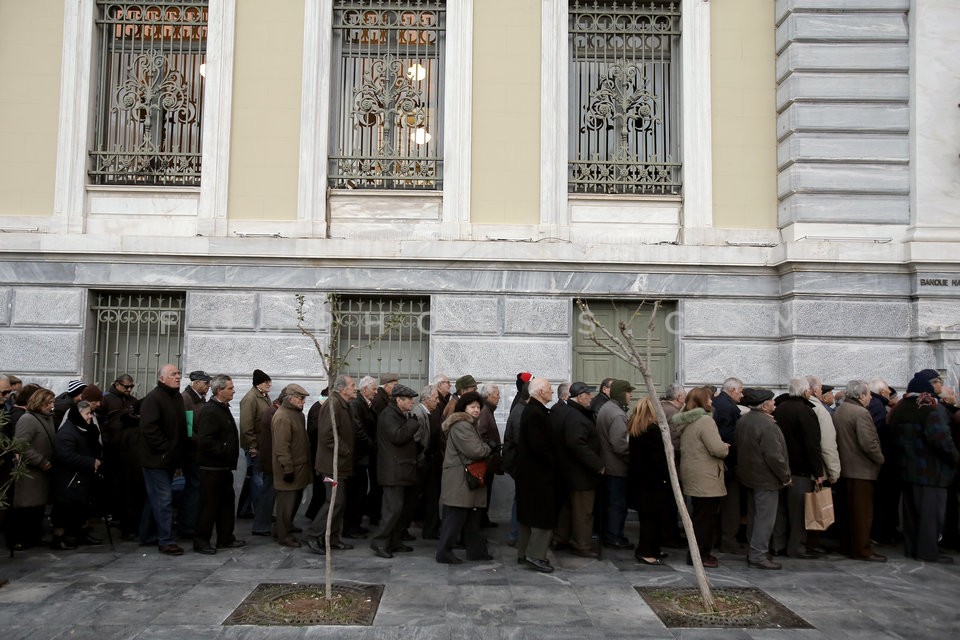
591	364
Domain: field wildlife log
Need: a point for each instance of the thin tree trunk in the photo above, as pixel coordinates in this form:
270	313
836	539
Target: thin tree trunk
328	569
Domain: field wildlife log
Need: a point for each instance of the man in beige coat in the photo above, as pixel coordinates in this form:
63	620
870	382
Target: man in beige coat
860	460
292	471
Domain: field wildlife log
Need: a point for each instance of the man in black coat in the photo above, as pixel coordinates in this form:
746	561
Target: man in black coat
218	449
726	413
163	439
801	431
601	398
396	470
579	459
536	470
365	496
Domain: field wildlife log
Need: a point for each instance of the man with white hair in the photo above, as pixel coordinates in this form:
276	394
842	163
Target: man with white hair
363	494
726	413
828	434
489	433
536	479
801	431
886	499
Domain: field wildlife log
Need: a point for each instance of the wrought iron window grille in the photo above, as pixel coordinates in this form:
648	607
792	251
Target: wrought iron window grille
624	98
387	94
149	100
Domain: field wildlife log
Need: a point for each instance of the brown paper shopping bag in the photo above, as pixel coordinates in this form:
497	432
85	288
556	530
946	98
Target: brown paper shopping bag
818	509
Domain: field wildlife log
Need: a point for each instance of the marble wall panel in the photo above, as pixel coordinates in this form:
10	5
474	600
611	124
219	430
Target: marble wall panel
224	311
844	147
537	315
837	362
844	178
835	207
867	57
713	361
48	306
742	318
467	315
881	117
840	318
810	85
784	7
5	294
934	314
278	312
826	282
838	27
501	358
24	351
281	356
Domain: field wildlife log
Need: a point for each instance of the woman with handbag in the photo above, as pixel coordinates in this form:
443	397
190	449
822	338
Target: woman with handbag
32	492
462	492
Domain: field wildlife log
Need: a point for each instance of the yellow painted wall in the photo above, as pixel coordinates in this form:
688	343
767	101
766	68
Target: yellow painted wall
505	167
265	135
744	114
31	39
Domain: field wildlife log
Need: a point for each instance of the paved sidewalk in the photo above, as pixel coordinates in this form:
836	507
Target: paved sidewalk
135	592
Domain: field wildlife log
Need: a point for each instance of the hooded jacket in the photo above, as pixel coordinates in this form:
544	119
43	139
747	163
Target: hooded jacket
702	454
464	446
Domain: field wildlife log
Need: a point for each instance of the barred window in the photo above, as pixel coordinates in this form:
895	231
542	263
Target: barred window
386	115
149	100
624	97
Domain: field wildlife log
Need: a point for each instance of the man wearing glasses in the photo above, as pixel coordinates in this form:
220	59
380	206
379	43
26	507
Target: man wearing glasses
121	466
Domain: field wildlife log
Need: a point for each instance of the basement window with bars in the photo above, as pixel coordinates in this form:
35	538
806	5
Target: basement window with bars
149	93
403	350
387	85
624	106
135	333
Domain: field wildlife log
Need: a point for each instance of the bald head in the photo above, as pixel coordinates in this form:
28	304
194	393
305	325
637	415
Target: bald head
169	376
541	390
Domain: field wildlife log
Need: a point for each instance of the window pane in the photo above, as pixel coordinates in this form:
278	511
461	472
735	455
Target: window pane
387	94
624	97
149	93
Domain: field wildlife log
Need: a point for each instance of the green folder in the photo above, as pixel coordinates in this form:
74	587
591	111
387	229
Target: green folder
189	424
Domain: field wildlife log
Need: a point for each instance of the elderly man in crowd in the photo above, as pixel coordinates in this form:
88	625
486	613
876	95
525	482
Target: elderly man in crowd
860	460
801	431
365	494
218	449
763	471
343	392
726	413
537	502
253	405
928	464
292	472
397	471
579	458
612	429
489	433
123	478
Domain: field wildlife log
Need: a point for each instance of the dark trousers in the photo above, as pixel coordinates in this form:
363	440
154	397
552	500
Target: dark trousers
374	502
132	494
858	502
923	515
69	517
318	497
616	515
731	515
575	524
24	525
398	504
485	511
318	525
190	503
704	519
457	520
886	503
216	507
430	497
355	496
790	530
651	516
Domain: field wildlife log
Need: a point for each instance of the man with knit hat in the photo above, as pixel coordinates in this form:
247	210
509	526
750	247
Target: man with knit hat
763	470
67	400
252	407
928	464
612	428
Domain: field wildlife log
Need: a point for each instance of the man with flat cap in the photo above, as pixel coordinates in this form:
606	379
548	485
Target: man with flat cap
382	398
194	399
291	460
465	384
763	469
396	470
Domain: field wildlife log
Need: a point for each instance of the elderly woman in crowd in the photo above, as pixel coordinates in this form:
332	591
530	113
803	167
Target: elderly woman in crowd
461	504
32	492
648	481
701	467
77	455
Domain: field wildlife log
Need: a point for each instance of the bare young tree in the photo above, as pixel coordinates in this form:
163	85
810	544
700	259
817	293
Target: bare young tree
623	345
332	363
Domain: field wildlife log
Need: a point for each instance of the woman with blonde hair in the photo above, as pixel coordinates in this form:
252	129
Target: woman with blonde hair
701	467
32	492
648	482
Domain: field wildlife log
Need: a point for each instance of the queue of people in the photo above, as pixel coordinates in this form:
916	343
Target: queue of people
162	468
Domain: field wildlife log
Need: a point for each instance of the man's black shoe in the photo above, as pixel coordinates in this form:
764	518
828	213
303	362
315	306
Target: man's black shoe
315	546
380	552
539	565
356	534
207	551
341	546
401	548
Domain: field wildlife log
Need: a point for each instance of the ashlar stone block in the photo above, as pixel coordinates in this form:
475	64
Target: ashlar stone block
278	312
465	314
711	362
744	318
281	356
839	318
537	316
224	311
501	358
52	306
5	294
41	351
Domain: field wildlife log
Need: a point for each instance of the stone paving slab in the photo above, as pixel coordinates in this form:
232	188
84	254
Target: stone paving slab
135	593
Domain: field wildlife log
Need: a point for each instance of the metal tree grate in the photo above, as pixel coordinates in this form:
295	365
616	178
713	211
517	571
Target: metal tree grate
738	608
304	605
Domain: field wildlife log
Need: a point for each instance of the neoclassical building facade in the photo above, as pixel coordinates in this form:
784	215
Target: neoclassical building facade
783	176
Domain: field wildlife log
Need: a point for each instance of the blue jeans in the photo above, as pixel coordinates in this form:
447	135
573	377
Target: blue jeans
263	509
160	496
256	484
616	515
